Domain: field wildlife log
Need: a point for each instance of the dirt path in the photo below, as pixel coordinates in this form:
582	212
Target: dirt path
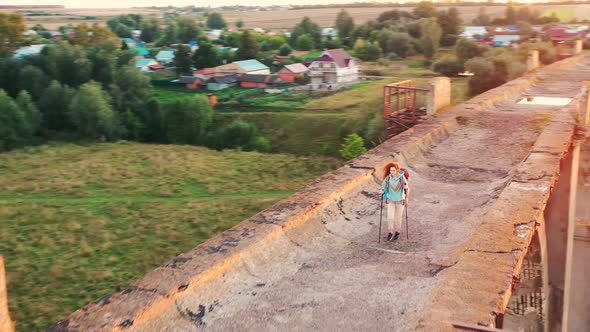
331	274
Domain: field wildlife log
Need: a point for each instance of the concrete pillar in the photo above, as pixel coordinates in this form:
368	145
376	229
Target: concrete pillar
576	299
439	95
578	46
6	323
532	61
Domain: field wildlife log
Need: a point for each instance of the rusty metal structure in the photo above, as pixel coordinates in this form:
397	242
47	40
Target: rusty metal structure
400	110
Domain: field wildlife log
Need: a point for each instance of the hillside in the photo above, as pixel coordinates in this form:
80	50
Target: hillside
79	221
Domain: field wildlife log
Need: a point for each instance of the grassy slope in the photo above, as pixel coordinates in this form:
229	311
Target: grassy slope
79	221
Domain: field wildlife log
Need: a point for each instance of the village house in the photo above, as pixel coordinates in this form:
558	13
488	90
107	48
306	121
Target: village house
165	57
289	72
258	81
332	69
192	82
144	64
244	67
470	32
217	83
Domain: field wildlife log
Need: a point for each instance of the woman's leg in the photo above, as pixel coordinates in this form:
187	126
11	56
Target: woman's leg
390	216
399	212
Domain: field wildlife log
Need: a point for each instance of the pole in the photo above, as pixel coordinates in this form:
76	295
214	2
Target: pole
380	218
407	227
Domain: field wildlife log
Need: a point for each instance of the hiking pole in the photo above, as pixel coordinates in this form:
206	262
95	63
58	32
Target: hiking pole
380	218
407	226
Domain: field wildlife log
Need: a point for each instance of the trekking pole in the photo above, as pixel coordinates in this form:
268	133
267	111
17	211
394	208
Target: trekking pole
380	218
407	226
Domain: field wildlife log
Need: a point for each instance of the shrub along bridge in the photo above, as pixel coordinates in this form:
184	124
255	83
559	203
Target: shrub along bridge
492	180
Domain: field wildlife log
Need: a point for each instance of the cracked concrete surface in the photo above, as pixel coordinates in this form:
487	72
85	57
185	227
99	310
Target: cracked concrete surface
327	271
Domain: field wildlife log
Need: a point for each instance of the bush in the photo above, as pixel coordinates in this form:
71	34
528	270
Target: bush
285	50
261	144
448	65
353	147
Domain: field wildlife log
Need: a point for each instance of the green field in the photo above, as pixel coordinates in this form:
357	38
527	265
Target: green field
79	221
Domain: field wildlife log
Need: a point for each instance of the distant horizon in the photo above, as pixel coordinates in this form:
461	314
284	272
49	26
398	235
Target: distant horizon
73	4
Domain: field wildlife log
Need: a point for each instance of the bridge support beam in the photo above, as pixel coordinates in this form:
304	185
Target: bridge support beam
439	95
532	61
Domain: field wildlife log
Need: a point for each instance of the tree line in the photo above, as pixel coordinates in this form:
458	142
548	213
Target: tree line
87	88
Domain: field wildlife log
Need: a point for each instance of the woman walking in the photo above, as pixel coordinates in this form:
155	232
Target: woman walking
395	194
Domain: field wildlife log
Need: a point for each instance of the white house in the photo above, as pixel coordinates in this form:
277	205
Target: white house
472	31
214	34
144	64
165	57
333	68
329	32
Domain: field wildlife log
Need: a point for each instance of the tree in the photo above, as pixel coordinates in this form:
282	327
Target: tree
466	49
510	13
206	56
424	9
482	18
304	42
187	120
91	113
430	40
182	59
249	47
216	21
32	115
398	42
170	35
187	29
14	129
450	23
353	147
393	15
150	29
307	26
68	64
285	50
344	25
239	24
129	93
448	65
12	28
53	105
33	80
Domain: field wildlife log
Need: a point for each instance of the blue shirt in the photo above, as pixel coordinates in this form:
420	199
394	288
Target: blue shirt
393	187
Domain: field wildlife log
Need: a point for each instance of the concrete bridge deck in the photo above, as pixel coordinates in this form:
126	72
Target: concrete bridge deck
481	175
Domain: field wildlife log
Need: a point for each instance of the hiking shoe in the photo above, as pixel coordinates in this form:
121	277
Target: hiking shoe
390	237
396	236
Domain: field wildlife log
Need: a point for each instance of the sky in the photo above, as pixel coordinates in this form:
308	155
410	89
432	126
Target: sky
177	3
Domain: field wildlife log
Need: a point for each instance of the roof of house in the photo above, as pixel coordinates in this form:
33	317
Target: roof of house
165	54
128	40
258	78
226	79
139	51
339	56
205	71
297	68
251	65
142	62
187	79
28	50
506	37
156	67
563	33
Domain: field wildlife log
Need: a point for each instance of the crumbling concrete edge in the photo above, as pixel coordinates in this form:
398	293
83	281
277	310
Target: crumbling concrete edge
146	298
476	289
